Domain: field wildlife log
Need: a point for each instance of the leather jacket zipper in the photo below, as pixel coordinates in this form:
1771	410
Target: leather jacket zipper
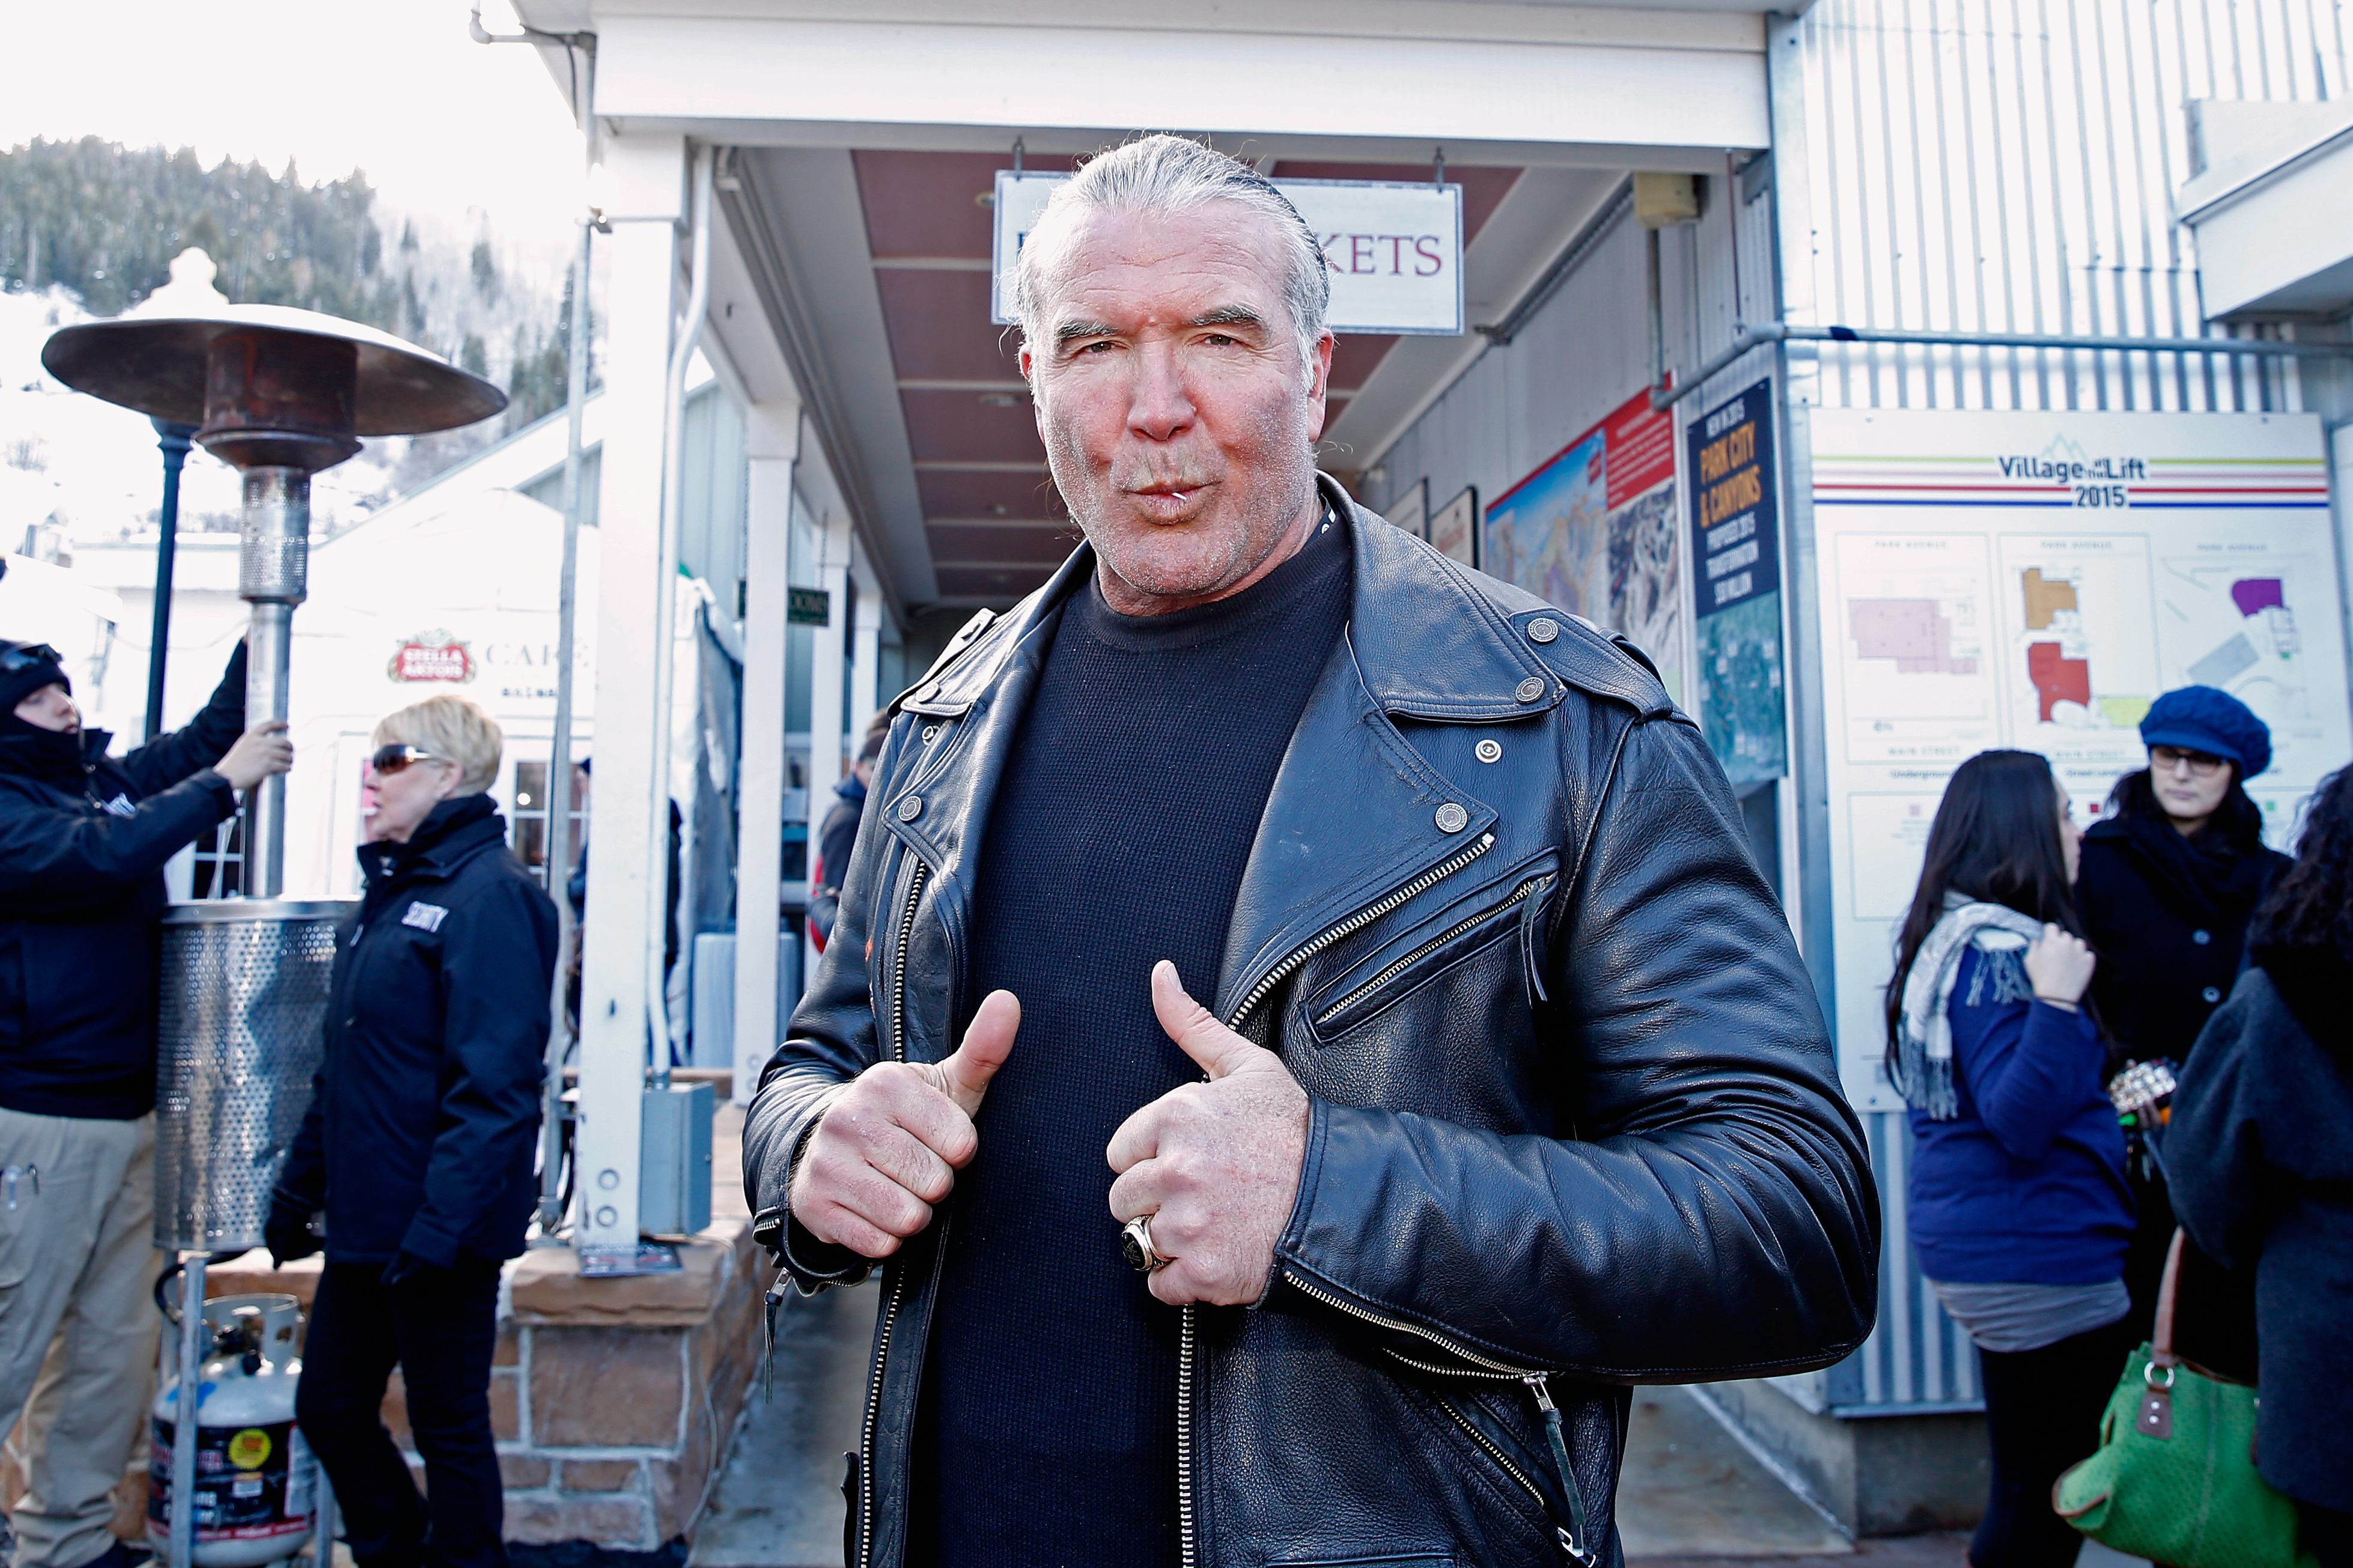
1572	1539
1392	971
1358	922
867	1508
1486	1446
1189	1336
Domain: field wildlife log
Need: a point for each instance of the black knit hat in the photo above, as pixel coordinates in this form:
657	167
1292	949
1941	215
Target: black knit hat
25	669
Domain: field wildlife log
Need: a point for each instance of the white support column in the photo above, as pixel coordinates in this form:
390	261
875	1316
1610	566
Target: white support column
866	668
645	176
828	680
772	444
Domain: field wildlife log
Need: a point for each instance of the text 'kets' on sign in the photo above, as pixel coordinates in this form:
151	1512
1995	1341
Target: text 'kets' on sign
1394	248
808	607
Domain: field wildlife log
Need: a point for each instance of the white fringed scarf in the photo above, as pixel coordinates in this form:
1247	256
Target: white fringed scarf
1924	1053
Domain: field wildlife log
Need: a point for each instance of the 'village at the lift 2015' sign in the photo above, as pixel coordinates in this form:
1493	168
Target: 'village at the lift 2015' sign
1395	248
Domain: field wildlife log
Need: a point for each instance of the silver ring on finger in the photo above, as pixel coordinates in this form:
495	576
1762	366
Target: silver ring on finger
1135	1245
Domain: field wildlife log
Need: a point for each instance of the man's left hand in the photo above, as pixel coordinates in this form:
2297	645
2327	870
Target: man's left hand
1215	1164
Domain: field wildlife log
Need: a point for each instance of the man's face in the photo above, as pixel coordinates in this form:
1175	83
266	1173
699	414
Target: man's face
1169	391
51	709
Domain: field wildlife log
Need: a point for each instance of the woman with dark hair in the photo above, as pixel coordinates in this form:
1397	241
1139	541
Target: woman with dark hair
2260	1151
2018	1210
2169	879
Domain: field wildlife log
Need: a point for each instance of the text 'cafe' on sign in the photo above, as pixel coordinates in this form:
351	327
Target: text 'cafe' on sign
1394	247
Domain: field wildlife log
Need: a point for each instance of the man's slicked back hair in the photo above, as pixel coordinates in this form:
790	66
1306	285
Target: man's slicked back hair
1164	176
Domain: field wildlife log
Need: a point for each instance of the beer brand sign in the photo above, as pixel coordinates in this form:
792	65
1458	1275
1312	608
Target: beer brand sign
431	656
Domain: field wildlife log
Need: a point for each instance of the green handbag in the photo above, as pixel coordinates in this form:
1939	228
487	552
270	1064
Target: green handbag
2174	1477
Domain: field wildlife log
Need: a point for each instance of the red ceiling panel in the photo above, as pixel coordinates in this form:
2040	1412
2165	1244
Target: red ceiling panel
968	492
922	203
1356	355
958	428
1013	546
940	330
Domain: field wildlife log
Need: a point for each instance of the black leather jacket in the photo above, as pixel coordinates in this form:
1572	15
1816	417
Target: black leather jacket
1575	1123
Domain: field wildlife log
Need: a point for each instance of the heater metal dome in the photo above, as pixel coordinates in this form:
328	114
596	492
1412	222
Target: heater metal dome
156	365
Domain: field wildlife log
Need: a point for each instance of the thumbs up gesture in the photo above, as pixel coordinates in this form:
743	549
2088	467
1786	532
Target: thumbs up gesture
1215	1164
887	1149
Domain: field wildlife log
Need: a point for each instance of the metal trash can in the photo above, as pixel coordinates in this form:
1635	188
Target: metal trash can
243	1005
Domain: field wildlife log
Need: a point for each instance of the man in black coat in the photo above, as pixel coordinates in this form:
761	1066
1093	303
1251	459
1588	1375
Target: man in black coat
1515	1092
83	839
420	1144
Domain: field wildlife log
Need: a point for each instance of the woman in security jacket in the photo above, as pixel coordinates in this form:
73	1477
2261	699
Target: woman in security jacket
419	1142
2169	879
83	839
2260	1152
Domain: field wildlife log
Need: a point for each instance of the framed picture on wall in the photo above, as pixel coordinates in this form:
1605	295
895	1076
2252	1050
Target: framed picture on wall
1455	527
1410	508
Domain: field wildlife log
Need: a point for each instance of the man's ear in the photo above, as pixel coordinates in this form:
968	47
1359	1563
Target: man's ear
1319	385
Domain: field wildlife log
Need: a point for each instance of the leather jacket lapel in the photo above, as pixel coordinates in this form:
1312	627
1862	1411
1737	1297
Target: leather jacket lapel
1313	865
938	801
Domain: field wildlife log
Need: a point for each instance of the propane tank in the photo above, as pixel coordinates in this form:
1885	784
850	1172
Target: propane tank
253	1473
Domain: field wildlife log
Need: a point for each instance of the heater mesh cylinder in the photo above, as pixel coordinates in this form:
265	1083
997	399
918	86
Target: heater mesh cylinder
244	1007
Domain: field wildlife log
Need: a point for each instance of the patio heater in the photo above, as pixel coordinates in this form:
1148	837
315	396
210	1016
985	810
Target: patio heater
278	394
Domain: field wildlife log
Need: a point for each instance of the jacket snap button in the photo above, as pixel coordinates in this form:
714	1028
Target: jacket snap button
1452	818
1488	750
2211	994
931	733
1544	629
911	808
930	693
2202	938
1531	689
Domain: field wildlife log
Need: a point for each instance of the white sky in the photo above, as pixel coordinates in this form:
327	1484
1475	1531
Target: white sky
439	122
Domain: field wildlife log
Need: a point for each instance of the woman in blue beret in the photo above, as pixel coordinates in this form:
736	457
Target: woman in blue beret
2171	876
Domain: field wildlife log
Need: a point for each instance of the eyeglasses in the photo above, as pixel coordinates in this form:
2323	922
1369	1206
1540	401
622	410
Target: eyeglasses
2204	765
390	760
24	655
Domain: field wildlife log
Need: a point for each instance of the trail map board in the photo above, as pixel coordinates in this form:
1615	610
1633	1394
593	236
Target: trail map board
2036	580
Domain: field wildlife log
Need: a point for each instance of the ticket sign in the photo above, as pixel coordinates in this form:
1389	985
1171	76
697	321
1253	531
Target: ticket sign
1395	248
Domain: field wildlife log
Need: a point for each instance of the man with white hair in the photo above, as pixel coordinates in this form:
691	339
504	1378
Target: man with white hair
1513	1093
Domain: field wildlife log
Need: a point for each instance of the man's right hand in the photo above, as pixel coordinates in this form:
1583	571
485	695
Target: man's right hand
259	752
887	1149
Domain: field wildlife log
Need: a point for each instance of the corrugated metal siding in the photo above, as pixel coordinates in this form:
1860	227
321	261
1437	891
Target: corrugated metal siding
2009	165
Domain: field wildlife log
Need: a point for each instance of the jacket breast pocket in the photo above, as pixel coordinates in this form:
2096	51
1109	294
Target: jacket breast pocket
1441	1020
1506	909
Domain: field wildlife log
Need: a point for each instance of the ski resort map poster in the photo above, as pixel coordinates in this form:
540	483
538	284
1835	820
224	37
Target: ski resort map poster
1595	531
2035	580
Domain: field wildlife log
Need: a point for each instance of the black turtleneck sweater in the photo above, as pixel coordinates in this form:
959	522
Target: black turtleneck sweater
1046	1430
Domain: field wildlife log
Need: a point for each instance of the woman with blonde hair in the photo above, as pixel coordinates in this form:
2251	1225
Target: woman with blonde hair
420	1144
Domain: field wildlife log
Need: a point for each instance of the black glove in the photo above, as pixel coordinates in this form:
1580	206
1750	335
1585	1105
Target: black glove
287	1234
406	1267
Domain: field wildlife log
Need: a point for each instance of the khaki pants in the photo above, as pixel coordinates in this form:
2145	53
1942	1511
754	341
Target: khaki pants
78	1328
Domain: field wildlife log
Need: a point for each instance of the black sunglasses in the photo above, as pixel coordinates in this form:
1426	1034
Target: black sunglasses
392	759
24	655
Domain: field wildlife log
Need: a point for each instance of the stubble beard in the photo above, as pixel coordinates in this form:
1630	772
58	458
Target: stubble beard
1123	541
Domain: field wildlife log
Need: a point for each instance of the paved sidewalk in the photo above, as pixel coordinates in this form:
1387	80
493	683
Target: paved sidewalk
779	1504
